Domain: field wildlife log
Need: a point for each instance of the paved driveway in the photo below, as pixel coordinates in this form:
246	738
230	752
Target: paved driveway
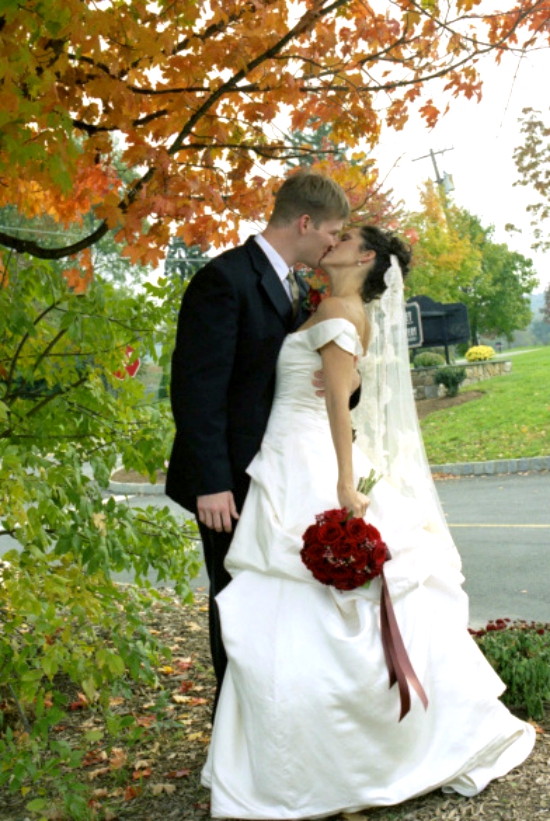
501	526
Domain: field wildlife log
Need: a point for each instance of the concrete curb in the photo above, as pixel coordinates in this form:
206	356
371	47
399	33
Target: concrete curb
136	489
491	468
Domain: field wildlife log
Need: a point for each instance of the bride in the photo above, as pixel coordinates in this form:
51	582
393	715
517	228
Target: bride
307	725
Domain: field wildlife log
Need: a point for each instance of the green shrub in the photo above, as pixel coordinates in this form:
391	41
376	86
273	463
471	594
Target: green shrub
461	348
519	652
480	353
451	377
428	359
66	420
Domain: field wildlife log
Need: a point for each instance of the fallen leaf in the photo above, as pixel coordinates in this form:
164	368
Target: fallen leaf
142	764
198	737
137	774
538	729
145	721
93	774
80	704
131	792
183	664
101	792
158	789
185	686
178	773
118	758
94	757
194	627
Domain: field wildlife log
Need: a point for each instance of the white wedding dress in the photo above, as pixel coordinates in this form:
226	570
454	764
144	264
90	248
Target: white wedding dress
306	724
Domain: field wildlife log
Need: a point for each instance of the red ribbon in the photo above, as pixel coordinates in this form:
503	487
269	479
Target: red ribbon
397	660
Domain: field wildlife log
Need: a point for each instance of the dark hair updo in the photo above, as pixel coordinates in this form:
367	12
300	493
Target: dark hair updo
384	244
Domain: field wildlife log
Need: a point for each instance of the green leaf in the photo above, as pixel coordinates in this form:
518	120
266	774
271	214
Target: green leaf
37	805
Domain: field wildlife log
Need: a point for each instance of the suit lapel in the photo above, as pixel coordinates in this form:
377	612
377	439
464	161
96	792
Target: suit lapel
270	282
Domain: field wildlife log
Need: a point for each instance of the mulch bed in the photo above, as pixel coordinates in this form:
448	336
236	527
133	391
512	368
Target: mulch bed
157	778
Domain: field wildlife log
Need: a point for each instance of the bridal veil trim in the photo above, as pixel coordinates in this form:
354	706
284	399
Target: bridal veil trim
386	421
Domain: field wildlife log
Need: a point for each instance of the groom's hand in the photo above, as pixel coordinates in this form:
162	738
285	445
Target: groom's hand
216	510
318	380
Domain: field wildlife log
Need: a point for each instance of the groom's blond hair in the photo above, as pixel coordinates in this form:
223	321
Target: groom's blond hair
307	192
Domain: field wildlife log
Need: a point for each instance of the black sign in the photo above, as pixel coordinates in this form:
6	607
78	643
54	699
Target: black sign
443	324
415	337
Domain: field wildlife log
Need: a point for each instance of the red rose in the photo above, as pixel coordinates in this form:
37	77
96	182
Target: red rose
311	535
313	555
329	533
345	549
344	578
357	529
373	535
336	515
379	553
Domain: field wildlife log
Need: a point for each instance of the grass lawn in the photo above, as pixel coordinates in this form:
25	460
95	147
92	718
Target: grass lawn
511	420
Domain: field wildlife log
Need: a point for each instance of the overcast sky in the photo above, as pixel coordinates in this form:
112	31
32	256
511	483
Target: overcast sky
483	136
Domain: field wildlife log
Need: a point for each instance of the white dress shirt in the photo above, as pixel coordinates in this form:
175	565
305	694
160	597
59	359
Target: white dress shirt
276	260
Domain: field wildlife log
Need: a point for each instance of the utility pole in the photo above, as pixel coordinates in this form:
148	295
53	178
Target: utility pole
445	180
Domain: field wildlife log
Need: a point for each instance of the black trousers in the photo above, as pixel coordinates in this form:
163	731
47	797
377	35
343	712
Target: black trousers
215	546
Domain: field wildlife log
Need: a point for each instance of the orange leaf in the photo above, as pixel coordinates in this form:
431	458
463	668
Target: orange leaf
132	792
137	774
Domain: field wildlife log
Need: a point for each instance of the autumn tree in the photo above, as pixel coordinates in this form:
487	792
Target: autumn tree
192	92
447	255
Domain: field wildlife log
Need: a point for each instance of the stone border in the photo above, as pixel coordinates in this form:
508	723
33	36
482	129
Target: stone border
493	467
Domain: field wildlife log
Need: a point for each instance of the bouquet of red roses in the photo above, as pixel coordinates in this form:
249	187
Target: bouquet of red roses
343	551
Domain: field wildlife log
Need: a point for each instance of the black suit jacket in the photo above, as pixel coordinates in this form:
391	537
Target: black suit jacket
233	320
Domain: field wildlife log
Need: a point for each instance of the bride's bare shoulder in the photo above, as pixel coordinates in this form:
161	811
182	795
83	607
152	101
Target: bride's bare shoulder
333	307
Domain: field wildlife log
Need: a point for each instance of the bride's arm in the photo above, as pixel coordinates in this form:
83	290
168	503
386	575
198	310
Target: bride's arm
338	367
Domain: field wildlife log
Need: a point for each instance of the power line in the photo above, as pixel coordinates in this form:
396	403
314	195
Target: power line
39	231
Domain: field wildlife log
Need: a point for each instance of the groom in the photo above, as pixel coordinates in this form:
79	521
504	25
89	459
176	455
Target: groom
234	317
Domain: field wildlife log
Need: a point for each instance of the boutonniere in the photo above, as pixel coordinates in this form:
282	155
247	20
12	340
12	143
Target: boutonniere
312	300
318	289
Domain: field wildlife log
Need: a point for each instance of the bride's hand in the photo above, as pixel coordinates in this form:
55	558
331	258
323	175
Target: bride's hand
353	500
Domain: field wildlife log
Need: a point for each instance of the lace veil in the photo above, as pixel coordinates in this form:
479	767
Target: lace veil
386	422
